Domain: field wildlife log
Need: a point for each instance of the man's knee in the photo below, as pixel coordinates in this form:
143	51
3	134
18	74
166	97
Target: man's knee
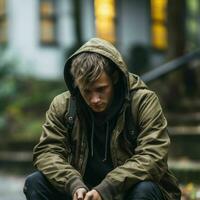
145	187
37	187
145	190
32	181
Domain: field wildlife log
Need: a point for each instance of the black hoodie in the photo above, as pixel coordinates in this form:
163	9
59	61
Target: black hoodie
100	128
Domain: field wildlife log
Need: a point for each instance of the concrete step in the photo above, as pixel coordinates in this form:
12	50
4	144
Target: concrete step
184	164
188	104
16	156
190	118
19	162
23	145
184	130
185	145
186	170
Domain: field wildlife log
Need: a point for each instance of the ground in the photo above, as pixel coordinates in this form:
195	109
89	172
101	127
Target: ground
11	187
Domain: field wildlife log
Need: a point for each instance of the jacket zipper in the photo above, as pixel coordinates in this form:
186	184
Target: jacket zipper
84	152
115	135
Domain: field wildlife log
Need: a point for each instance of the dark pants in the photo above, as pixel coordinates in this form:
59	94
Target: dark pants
38	188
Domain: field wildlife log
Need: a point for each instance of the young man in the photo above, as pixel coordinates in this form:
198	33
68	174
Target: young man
118	146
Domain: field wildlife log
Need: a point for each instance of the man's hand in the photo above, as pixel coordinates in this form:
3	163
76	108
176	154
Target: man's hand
80	194
92	195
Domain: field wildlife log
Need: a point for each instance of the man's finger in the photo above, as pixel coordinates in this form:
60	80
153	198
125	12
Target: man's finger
75	196
88	196
79	195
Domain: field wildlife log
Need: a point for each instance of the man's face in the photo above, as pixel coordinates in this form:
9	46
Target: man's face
98	95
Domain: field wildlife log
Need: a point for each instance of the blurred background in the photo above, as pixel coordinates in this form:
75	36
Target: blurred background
159	40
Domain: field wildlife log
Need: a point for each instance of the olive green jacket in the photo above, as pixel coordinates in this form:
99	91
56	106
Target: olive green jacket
62	156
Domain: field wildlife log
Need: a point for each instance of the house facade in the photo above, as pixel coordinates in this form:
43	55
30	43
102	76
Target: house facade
39	34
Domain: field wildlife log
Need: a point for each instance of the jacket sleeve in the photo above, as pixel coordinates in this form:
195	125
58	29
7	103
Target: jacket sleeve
52	154
149	161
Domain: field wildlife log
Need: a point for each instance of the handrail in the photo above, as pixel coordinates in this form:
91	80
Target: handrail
169	67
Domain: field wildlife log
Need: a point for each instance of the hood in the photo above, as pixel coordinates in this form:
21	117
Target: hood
106	49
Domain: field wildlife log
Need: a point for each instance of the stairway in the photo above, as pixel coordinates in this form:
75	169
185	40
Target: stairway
184	130
16	157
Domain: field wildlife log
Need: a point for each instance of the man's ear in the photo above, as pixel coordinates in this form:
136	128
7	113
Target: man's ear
115	77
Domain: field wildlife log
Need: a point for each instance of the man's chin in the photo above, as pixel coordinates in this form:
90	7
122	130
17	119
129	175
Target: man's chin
98	109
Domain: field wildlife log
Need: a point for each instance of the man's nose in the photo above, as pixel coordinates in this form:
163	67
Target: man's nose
94	99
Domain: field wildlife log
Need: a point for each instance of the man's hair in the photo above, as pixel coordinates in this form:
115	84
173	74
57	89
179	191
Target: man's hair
87	67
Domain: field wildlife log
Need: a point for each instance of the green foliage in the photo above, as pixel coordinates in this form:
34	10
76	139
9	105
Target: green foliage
8	86
23	103
24	113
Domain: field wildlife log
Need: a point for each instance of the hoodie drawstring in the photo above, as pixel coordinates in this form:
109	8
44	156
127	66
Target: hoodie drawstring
92	139
106	143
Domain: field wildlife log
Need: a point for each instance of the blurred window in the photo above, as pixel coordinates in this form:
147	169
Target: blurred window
159	35
3	22
105	19
48	22
192	23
